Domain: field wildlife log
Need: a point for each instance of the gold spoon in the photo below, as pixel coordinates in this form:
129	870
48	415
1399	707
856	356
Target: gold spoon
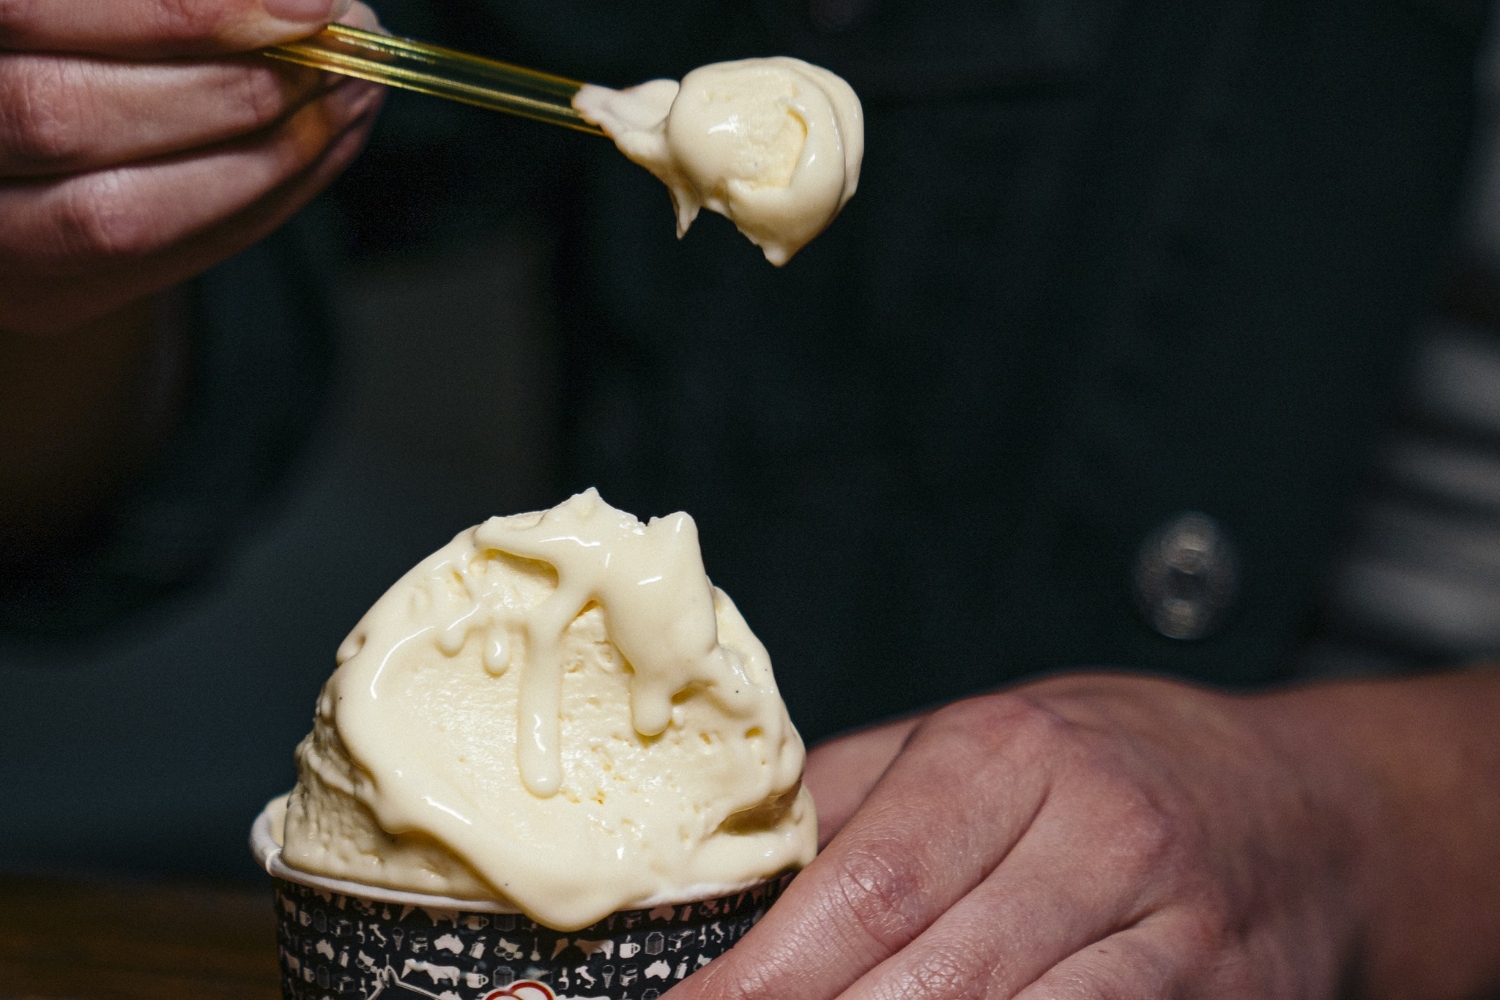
430	69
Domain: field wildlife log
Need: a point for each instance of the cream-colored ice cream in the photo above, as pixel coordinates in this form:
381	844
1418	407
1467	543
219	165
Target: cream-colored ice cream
774	144
558	711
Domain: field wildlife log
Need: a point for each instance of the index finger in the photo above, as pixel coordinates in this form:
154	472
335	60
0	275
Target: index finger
152	29
948	810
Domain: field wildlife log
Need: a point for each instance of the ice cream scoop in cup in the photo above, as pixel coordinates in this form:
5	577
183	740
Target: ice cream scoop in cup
557	724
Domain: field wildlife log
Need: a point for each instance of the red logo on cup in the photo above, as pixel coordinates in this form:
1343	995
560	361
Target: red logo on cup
525	989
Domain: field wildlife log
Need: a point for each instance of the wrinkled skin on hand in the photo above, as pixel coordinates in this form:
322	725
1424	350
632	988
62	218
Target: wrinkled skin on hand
1084	837
140	144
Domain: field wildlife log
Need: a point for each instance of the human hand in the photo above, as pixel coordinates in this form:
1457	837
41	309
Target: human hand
1083	837
139	146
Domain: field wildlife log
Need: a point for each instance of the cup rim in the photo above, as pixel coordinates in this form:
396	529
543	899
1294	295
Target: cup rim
267	851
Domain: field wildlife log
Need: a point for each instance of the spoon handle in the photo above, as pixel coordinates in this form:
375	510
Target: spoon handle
429	69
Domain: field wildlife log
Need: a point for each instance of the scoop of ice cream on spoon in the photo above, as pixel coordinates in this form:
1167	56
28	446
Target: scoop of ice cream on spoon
773	144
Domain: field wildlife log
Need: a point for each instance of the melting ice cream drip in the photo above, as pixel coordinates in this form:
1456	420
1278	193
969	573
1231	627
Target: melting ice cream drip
649	581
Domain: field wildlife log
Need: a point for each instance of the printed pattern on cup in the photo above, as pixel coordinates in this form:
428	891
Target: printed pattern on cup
526	989
334	947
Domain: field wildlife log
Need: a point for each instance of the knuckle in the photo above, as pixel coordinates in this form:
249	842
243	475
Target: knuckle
1005	725
259	95
1209	926
1149	834
189	19
36	115
882	895
1153	846
96	221
951	971
1035	730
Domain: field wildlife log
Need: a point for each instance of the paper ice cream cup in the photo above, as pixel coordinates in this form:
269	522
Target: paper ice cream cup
341	939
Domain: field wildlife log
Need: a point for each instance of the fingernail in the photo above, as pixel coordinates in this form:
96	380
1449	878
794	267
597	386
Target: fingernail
307	10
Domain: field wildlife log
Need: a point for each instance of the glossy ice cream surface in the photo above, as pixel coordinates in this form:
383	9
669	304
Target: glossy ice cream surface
774	144
558	711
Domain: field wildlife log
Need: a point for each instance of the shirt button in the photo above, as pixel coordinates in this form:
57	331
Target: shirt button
1187	576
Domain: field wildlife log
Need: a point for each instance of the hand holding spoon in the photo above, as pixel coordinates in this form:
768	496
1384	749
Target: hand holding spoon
775	144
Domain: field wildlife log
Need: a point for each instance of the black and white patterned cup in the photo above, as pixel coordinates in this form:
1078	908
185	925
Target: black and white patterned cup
338	940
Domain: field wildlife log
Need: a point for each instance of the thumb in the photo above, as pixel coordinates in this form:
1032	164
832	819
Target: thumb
146	29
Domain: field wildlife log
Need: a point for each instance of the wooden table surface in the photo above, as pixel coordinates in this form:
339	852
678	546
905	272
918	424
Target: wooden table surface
78	941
